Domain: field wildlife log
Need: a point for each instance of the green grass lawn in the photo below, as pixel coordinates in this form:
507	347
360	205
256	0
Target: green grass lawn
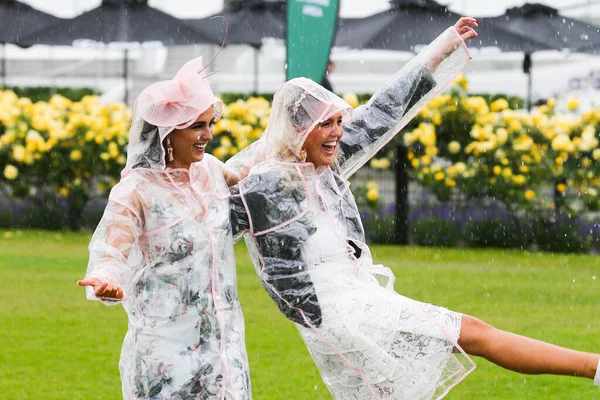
56	345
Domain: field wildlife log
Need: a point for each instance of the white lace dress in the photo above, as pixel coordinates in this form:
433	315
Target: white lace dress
368	341
373	339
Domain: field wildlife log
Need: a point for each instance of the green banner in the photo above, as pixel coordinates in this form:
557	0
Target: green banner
311	26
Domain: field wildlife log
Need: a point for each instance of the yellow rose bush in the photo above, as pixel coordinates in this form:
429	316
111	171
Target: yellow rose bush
61	150
488	150
242	123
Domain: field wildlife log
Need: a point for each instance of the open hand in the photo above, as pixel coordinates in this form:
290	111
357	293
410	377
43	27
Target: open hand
103	289
465	27
233	178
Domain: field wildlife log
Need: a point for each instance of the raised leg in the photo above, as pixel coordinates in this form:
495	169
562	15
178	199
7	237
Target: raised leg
522	354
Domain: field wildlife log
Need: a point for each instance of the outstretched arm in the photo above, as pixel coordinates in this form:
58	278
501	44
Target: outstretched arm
403	96
108	271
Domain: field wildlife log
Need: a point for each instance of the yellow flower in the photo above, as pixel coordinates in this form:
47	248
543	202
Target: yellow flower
414	162
381	163
425	160
497	170
562	142
504	161
519	179
121	159
450	182
544	110
529	194
372	185
113	150
226	142
372	194
10	172
515	125
427	136
507	172
559	160
105	156
524	169
454	147
572	104
431	151
523	143
250	118
64	192
263	122
596	154
586	162
220	152
439	100
76	155
588	139
486	119
561	187
499	105
485	146
461	81
501	135
19	153
551	102
460	167
425	113
8	137
375	163
58	101
351	99
439	176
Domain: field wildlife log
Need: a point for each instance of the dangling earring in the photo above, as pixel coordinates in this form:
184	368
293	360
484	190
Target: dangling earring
303	155
169	151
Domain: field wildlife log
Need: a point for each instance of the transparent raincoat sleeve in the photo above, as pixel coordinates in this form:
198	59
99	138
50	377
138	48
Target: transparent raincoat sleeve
114	252
259	206
400	99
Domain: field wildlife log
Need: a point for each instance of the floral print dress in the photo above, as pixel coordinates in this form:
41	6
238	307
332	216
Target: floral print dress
165	238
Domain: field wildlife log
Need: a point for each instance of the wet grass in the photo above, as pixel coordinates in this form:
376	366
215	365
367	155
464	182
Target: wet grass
56	345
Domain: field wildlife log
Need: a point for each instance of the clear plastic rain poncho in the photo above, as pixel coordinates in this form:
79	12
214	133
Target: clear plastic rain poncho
165	239
307	242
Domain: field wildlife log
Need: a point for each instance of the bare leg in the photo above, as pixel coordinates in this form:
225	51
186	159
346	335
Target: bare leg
522	354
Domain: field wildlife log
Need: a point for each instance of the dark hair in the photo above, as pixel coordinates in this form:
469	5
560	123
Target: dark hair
150	136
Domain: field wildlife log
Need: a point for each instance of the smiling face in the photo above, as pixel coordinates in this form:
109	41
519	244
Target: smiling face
189	144
321	143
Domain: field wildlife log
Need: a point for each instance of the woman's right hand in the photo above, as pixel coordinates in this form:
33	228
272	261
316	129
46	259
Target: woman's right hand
465	27
105	290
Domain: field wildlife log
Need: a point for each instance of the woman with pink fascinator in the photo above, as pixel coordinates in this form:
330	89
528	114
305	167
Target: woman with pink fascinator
164	250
